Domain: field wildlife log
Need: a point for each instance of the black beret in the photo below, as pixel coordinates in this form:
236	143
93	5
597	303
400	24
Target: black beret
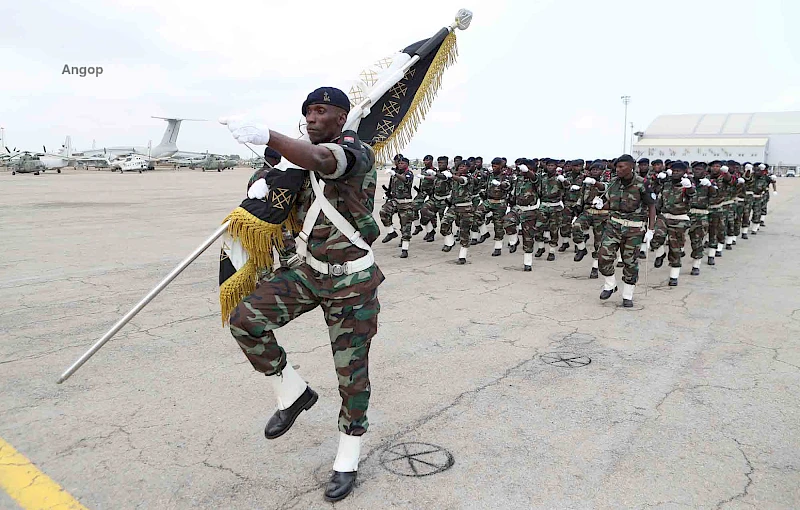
597	164
404	159
698	164
497	161
579	162
479	157
658	162
428	158
269	152
679	165
644	160
625	158
443	158
458	157
463	163
715	162
327	95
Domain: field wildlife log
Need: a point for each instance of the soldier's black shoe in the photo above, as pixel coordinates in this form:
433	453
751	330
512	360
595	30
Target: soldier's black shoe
580	254
627	303
719	253
711	261
728	247
340	486
683	253
642	255
732	242
585	237
762	224
695	271
283	419
527	268
659	261
607	293
593	274
754	233
673	282
496	253
429	236
513	247
563	247
404	254
551	257
418	229
620	264
446	248
484	237
473	242
461	262
389	237
539	253
744	236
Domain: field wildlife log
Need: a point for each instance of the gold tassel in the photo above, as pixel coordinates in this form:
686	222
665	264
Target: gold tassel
423	99
242	283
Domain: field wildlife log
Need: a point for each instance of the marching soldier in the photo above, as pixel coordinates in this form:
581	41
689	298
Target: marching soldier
760	187
698	214
571	194
674	203
495	202
551	209
423	192
400	202
436	203
738	206
765	198
480	230
631	221
729	208
590	216
721	181
747	209
461	211
525	211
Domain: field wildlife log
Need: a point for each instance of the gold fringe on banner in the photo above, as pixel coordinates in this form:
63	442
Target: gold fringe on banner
423	99
234	289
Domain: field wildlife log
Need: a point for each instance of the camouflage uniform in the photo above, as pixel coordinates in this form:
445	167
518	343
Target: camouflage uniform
589	216
760	188
462	210
496	192
525	209
425	190
349	302
436	203
730	210
570	200
400	203
674	203
698	218
479	185
716	212
738	206
625	227
551	209
747	210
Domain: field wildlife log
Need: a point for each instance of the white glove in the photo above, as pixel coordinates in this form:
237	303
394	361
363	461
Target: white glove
740	180
430	172
648	236
748	167
246	131
774	193
391	172
589	181
574	187
724	169
258	190
598	203
705	182
669	172
773	178
447	174
661	175
523	168
561	178
559	169
495	182
762	166
686	183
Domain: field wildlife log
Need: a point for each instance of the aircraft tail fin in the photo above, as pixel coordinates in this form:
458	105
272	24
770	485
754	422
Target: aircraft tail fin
170	137
68	146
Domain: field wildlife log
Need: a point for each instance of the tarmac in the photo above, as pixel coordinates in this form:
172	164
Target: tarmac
491	387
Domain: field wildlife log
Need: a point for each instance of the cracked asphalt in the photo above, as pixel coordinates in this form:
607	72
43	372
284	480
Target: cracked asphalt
690	399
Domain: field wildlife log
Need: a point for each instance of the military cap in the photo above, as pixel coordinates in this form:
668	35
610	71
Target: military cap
679	165
658	162
329	96
404	159
428	158
644	160
443	158
698	164
625	158
715	162
497	161
271	153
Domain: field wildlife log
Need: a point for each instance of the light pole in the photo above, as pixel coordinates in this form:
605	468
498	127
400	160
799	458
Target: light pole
625	101
631	145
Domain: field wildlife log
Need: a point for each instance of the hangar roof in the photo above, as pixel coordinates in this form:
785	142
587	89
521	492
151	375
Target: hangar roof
722	124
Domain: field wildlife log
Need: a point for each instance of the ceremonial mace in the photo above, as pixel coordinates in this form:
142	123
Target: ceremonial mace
462	22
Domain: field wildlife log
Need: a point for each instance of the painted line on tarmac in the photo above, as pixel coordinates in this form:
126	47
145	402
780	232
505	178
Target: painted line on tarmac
28	486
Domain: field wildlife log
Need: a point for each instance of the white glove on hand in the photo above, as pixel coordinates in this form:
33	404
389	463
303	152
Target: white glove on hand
773	178
246	131
523	168
705	182
561	178
391	172
748	167
661	175
430	172
589	181
258	190
762	166
669	172
574	187
597	203
495	182
740	180
774	193
648	236
686	183
447	174
724	169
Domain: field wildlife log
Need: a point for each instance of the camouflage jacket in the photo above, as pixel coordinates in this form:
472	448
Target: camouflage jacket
630	201
589	192
480	179
700	199
498	191
675	199
571	197
401	184
722	183
463	187
426	185
761	184
525	190
552	190
441	186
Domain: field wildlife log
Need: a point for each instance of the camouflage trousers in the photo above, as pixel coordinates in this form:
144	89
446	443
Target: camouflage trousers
730	220
431	210
758	207
594	220
498	210
673	232
627	240
352	322
716	227
566	220
764	202
463	216
477	221
406	213
419	201
747	211
511	221
738	210
698	227
549	218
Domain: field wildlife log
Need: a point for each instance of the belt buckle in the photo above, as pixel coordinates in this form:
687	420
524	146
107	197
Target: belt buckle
337	269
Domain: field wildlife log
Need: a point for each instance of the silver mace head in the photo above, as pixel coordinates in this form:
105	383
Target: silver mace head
463	19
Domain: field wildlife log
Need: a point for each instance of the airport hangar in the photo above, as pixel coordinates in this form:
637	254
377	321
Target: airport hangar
772	138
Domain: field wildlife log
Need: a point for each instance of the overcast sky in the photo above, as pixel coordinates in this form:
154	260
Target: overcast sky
533	78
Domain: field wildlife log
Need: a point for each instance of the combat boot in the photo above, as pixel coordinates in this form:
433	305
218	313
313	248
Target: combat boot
711	257
513	243
527	262
744	235
609	287
659	261
551	257
345	468
593	274
418	229
719	249
404	248
563	247
462	256
580	254
294	396
498	249
627	295
391	235
449	242
429	236
540	251
674	272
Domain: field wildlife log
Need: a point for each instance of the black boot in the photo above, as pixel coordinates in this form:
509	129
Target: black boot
551	257
539	253
429	236
593	275
473	242
404	254
340	485
711	261
563	247
446	248
719	253
642	255
673	282
620	264
389	237
418	229
732	242
513	247
581	253
527	268
607	293
484	237
695	271
763	224
496	253
461	261
728	247
627	303
283	419
744	235
659	261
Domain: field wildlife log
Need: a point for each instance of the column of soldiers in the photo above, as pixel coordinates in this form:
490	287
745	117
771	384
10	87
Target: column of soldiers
626	207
